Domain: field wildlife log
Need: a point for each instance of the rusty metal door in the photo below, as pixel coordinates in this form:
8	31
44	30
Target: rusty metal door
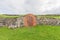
30	21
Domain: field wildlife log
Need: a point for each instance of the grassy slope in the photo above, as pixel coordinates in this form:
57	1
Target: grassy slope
42	32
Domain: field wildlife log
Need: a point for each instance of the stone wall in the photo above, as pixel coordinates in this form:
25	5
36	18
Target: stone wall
19	22
48	21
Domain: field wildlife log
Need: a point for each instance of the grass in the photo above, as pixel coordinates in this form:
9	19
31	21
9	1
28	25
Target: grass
7	16
42	32
50	16
16	16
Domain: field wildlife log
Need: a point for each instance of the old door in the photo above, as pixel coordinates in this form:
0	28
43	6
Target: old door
30	21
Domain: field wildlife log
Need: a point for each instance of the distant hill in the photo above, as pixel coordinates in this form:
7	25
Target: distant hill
11	14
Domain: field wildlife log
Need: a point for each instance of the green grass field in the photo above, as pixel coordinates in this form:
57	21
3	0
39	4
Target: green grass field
7	16
42	32
50	16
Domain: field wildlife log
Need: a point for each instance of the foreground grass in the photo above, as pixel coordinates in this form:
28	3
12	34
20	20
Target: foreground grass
42	32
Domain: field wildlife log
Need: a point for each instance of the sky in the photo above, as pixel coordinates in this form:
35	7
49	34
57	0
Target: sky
30	6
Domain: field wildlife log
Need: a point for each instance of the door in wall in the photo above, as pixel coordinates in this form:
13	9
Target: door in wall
30	21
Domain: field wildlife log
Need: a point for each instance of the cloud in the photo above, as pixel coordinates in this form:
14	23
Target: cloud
29	6
42	6
11	6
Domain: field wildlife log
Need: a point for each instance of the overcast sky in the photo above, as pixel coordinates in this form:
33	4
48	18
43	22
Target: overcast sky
29	6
